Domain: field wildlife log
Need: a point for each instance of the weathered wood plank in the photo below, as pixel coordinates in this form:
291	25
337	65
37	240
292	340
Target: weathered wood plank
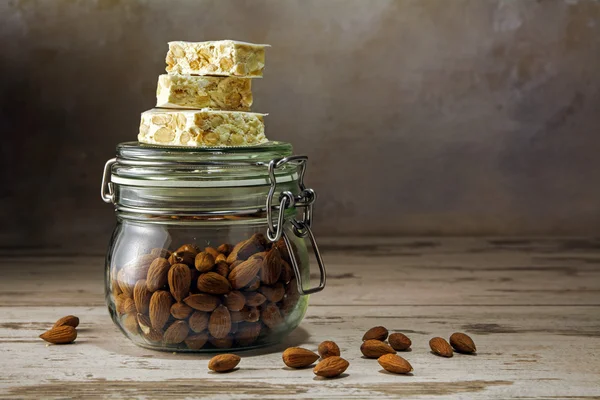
531	305
548	351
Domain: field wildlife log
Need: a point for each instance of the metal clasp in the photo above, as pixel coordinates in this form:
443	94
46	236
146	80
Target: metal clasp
106	191
304	200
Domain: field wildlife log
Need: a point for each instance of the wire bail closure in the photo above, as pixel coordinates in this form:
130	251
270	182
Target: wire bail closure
304	200
106	191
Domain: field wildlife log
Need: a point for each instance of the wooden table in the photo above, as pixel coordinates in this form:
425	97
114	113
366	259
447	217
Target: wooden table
532	307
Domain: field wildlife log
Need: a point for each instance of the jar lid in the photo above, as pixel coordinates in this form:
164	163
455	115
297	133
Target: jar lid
168	166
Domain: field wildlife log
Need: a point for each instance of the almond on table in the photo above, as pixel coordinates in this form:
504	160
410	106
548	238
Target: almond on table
223	362
63	334
440	347
70	320
376	333
399	341
375	348
297	357
331	367
462	343
328	349
395	364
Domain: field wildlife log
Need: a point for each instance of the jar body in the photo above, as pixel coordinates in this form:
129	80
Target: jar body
204	284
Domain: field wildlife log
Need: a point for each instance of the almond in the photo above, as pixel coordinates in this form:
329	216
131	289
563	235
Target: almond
253	286
462	343
60	335
328	349
224	249
219	323
286	272
180	279
244	273
234	264
297	357
223	362
130	322
141	296
223	343
331	367
222	268
376	333
129	306
399	341
290	301
182	257
204	261
395	364
148	331
115	289
375	348
247	333
252	314
285	253
202	302
212	251
125	282
176	332
273	293
440	347
239	316
157	274
213	283
234	301
181	310
271	269
120	302
246	248
198	321
271	316
69	320
160	309
192	248
220	259
196	341
254	299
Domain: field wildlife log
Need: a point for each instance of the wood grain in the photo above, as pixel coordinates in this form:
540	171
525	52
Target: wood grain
531	305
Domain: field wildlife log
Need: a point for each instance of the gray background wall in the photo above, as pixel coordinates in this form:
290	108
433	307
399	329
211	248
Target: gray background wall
420	117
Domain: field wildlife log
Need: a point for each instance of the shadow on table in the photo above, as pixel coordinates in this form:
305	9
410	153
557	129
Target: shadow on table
125	347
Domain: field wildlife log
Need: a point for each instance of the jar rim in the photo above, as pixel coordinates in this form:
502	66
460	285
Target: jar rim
161	166
140	152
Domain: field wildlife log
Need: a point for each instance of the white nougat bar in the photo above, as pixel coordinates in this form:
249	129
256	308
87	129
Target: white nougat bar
221	57
201	128
192	91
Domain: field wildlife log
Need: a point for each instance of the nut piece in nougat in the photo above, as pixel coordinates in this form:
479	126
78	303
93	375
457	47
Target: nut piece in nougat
191	91
201	128
222	57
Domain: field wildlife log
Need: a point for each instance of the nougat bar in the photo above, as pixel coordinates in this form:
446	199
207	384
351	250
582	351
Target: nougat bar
201	128
222	57
192	91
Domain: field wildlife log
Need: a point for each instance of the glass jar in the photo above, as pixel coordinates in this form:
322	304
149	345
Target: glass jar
208	252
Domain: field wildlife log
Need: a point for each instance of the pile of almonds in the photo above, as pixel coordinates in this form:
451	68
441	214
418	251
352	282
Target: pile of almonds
224	297
373	346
